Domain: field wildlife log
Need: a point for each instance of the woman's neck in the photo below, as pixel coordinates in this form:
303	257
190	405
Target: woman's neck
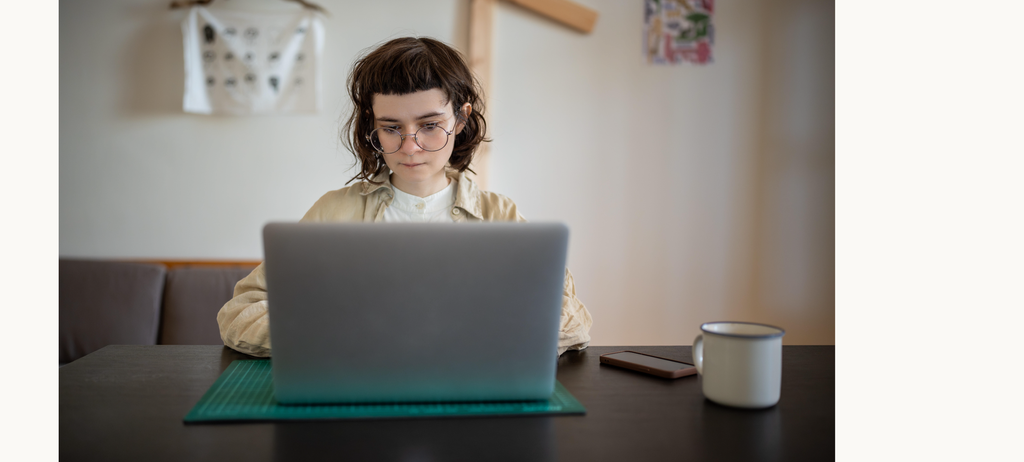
421	189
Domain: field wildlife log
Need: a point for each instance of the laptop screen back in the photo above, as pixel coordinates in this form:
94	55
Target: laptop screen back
414	312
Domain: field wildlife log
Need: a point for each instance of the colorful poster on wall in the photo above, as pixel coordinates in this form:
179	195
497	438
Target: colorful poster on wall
678	31
241	63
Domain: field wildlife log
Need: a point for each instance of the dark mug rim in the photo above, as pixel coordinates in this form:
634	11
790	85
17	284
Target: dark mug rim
780	332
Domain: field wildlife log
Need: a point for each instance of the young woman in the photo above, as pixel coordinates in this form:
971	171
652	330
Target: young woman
416	121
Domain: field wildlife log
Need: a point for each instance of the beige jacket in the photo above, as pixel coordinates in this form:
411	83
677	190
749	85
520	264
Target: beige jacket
243	320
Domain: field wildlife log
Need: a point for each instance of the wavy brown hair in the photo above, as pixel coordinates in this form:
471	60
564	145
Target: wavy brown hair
408	65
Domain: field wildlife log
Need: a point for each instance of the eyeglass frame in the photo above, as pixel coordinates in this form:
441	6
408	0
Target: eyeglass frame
415	139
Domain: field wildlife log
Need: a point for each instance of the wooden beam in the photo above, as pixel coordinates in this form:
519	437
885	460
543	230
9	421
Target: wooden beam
481	33
571	14
481	27
175	264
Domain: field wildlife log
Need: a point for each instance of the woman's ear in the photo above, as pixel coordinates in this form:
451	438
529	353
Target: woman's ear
463	117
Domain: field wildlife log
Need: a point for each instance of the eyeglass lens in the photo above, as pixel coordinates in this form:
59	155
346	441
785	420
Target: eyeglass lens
389	140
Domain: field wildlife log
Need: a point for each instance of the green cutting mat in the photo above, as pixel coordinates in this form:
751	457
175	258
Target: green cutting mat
245	392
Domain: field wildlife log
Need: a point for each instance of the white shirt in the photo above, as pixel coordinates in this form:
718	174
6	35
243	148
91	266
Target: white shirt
435	208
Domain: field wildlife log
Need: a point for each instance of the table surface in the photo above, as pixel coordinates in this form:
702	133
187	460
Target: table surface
127	403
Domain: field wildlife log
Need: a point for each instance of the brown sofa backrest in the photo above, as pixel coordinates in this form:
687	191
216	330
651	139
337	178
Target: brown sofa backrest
104	302
192	298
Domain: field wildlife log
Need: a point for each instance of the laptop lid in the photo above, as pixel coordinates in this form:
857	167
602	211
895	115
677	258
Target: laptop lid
374	312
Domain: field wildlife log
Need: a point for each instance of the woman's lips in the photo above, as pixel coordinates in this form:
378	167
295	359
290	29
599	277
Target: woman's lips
412	165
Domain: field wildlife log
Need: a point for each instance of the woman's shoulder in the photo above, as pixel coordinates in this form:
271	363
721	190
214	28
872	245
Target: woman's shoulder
485	205
353	190
344	204
493	199
499	207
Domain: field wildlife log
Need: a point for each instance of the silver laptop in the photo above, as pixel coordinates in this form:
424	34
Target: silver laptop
372	312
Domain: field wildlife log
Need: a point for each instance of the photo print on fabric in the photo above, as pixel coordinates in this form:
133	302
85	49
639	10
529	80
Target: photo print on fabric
248	63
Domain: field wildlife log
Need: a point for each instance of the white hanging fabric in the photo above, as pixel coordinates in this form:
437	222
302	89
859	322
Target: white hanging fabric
239	62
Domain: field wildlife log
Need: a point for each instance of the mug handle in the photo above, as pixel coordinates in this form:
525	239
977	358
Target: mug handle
698	353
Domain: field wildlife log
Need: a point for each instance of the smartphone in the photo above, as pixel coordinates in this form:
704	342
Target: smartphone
654	365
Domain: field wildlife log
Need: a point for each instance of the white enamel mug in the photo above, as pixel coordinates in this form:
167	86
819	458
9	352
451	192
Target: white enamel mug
740	363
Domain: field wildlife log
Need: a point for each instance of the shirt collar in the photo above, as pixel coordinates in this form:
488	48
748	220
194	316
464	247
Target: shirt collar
439	201
466	192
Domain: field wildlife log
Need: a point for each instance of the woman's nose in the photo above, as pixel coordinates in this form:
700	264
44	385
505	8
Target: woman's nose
409	144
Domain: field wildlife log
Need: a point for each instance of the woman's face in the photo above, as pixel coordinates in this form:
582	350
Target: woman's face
415	170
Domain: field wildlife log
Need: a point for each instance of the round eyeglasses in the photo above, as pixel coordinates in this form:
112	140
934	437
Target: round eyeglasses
430	138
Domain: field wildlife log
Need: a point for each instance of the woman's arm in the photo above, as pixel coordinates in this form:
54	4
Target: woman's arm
243	320
574	332
244	327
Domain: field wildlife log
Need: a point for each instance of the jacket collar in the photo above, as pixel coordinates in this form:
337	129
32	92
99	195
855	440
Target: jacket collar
383	181
467	195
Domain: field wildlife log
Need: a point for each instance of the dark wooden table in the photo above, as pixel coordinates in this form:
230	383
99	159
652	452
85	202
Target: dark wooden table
127	403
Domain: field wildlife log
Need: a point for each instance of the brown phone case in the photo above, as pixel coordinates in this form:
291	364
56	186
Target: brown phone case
647	369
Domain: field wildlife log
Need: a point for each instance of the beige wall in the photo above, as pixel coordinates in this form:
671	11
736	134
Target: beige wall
692	193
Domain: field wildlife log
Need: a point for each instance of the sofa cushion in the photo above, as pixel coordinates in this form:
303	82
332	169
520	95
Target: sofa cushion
107	303
192	298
